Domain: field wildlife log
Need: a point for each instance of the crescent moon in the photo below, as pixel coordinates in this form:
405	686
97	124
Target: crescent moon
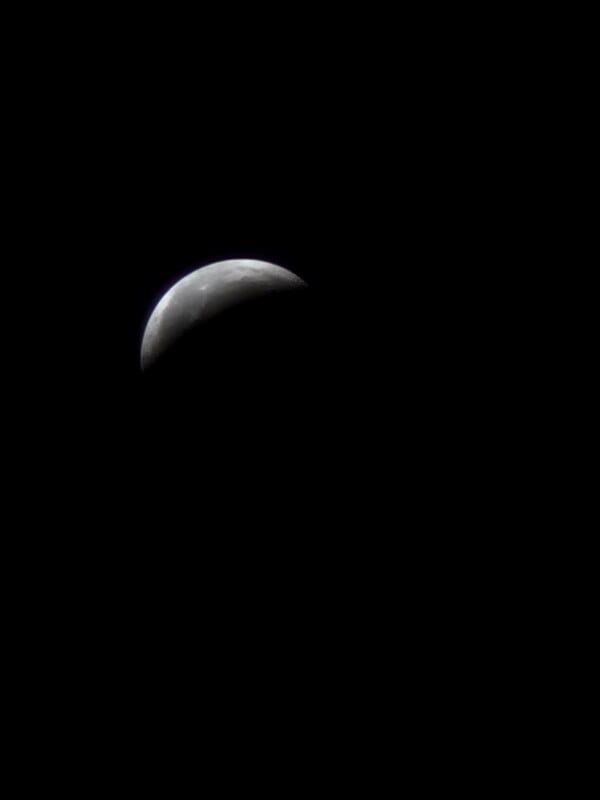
205	293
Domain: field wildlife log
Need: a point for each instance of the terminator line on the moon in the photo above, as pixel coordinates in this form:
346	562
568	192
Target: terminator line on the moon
206	292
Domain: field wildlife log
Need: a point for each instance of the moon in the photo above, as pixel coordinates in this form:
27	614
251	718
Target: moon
205	293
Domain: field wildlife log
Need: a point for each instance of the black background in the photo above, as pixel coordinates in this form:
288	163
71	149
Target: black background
245	540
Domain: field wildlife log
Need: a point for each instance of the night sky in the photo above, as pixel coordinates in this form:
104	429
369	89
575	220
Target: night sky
301	486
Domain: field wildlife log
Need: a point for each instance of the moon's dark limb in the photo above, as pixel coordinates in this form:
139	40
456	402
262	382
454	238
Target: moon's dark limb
205	293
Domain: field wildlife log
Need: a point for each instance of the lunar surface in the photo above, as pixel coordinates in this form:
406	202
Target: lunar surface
204	294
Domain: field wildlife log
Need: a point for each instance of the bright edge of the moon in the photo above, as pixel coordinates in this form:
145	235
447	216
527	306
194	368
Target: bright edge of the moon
204	293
